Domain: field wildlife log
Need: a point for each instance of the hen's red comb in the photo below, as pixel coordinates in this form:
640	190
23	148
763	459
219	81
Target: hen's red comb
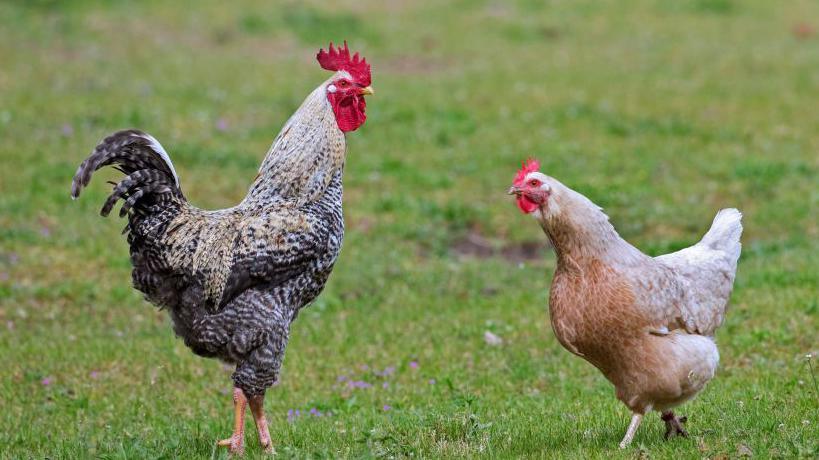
530	165
339	59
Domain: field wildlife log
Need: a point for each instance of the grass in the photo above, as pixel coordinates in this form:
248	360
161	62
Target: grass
662	112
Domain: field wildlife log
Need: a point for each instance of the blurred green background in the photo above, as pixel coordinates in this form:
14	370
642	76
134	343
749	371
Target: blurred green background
661	112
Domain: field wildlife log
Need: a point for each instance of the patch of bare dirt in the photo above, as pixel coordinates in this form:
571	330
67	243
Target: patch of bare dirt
475	245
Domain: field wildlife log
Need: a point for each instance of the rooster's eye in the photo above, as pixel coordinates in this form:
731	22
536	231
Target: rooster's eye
534	182
343	83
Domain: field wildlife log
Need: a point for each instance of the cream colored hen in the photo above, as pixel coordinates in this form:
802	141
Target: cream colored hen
647	323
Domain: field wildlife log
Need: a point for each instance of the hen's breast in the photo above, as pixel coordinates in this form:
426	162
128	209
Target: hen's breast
593	315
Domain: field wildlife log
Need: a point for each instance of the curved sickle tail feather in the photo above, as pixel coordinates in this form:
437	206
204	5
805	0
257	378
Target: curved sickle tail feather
150	175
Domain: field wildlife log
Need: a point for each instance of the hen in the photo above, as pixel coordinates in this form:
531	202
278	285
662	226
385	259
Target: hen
647	323
233	280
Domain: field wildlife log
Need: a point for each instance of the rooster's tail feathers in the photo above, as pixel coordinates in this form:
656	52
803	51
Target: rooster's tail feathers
725	232
148	169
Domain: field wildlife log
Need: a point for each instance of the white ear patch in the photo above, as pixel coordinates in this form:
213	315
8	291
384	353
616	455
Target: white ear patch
331	89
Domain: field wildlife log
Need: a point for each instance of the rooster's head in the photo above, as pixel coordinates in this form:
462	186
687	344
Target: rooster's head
347	88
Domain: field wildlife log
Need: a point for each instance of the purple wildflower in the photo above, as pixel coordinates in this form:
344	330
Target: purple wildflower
341	378
387	407
432	381
315	412
67	129
358	384
94	374
413	364
386	372
385	384
46	381
363	367
222	124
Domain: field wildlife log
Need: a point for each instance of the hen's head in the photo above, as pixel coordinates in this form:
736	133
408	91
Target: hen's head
347	88
534	190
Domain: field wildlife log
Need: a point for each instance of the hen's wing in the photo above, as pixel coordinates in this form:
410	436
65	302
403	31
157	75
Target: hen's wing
701	277
705	278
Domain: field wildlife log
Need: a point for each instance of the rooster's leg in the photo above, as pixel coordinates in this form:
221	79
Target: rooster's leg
257	407
236	443
632	428
674	425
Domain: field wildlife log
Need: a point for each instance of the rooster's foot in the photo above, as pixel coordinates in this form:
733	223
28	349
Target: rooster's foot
674	425
236	443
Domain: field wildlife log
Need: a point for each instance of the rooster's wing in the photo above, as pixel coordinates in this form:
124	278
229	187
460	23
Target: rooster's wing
274	248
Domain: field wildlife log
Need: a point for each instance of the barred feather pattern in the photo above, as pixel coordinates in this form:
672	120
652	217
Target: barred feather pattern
233	280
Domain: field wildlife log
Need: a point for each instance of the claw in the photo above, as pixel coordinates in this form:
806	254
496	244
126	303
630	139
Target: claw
235	444
674	425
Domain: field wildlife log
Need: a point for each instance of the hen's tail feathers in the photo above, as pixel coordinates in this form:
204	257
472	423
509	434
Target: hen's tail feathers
725	232
150	175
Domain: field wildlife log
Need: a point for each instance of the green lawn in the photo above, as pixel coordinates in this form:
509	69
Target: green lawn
662	112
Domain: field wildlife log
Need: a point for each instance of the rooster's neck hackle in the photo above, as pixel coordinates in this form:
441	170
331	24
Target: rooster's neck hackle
306	155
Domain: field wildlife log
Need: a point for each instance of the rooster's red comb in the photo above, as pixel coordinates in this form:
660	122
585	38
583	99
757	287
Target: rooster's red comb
339	59
530	165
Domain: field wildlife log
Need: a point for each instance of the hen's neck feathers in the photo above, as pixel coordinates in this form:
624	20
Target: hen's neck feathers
306	155
579	231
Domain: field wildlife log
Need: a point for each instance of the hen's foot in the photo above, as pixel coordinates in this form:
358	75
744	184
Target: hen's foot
674	425
236	443
257	408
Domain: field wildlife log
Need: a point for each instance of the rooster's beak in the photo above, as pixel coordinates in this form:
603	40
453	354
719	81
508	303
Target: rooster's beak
367	91
514	190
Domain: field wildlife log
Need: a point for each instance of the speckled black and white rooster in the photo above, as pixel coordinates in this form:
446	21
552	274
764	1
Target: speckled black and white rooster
233	280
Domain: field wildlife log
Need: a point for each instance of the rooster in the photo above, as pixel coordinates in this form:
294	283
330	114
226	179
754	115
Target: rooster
233	280
647	323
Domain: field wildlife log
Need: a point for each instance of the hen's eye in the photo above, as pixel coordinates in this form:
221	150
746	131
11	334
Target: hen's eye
534	182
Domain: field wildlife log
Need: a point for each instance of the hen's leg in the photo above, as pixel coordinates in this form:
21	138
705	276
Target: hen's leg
257	407
236	443
674	425
632	428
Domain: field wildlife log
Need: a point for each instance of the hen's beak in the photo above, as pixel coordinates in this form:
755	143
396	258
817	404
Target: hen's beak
367	91
514	190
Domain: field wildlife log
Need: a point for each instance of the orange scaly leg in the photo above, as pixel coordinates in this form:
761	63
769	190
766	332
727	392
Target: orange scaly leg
257	407
236	443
